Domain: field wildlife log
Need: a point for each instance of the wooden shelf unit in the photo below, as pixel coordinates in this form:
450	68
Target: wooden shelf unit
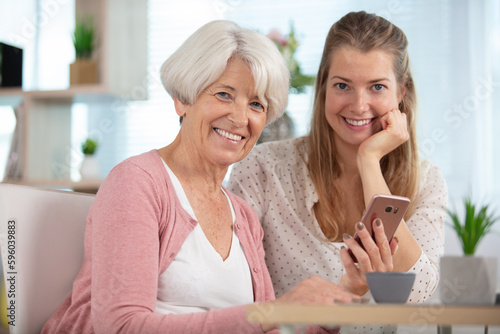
121	27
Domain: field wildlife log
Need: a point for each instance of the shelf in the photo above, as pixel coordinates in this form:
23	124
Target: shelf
45	119
8	91
78	93
70	93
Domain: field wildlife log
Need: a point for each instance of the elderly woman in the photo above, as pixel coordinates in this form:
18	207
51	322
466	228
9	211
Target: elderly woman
167	247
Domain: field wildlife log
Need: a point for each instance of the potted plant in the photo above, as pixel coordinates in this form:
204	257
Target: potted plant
89	168
84	69
288	46
283	127
470	279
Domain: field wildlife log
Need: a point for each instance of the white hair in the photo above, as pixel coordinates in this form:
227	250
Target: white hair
204	56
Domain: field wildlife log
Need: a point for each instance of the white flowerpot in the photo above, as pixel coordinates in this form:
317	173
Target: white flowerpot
90	168
468	280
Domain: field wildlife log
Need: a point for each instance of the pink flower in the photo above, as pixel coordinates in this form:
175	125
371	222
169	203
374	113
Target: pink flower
276	36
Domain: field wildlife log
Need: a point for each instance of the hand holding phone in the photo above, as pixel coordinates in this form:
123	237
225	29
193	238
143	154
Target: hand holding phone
390	209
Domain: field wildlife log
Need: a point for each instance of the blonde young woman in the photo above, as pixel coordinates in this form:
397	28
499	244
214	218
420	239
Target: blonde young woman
310	192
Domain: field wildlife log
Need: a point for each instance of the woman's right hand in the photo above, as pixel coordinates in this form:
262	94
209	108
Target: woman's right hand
393	134
375	255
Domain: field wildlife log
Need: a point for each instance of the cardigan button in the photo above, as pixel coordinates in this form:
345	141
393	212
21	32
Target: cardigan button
238	226
255	269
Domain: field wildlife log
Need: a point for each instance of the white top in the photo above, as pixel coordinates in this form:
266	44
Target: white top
275	181
198	279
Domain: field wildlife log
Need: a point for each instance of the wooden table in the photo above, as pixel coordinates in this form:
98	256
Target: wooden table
291	316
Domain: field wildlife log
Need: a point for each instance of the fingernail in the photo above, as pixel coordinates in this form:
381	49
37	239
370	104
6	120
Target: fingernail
397	239
378	222
360	226
342	247
346	236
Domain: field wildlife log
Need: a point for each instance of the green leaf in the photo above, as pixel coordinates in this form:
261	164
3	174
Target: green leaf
476	225
300	81
84	37
89	146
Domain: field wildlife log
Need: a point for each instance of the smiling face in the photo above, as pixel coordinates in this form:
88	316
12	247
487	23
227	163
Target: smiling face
226	120
361	87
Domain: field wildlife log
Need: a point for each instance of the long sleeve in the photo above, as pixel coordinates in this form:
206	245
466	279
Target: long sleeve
427	226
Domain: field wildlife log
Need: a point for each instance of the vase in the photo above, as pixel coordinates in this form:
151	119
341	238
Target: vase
83	71
281	128
89	168
468	280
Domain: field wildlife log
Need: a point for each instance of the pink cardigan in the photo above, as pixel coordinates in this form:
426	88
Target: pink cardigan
135	228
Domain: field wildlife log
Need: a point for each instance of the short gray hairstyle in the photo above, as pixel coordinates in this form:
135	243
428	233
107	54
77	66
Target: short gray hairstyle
204	56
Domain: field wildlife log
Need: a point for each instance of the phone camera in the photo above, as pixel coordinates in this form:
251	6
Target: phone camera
396	210
388	209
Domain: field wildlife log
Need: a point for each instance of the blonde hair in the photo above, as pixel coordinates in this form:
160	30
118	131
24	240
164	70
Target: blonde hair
204	56
363	32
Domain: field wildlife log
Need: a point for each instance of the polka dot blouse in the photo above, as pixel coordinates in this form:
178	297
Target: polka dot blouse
275	181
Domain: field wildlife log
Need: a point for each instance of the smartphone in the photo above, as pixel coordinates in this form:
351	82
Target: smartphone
390	209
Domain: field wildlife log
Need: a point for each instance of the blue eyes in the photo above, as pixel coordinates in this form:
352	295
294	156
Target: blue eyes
343	86
226	96
223	95
257	105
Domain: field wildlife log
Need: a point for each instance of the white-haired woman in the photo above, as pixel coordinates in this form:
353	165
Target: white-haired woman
167	247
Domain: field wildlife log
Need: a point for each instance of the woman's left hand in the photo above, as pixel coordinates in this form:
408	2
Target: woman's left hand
376	256
394	133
